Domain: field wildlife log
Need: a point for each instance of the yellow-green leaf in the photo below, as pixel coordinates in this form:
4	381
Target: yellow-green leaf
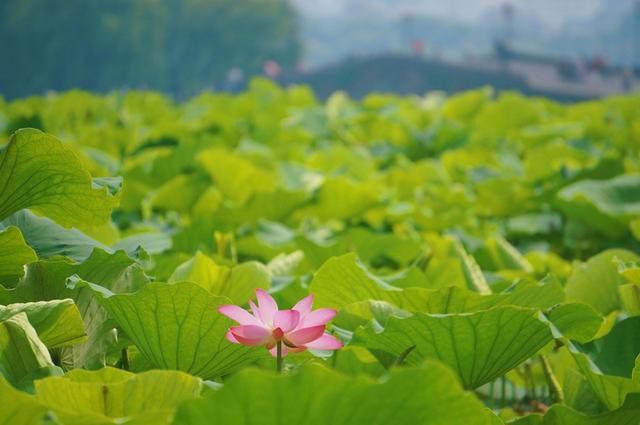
38	172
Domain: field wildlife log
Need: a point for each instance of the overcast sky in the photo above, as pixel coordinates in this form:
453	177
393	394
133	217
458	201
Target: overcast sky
553	13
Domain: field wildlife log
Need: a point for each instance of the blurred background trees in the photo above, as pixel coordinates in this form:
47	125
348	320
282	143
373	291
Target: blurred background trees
178	46
568	50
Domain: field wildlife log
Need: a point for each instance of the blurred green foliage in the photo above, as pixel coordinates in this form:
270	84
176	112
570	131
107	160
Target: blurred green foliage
482	247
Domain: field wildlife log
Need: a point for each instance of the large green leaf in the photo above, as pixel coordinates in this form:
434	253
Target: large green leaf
37	171
49	239
382	248
180	193
630	298
479	346
596	281
113	396
21	351
627	414
177	326
57	322
46	280
236	177
578	394
630	292
616	352
576	321
237	283
273	205
150	242
14	254
356	360
606	205
610	390
19	408
453	299
315	395
344	280
341	198
359	314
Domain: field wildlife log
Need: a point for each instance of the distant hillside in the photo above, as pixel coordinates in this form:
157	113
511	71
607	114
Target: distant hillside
402	74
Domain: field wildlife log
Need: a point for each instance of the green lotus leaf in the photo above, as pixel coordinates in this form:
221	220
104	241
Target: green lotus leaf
342	198
49	239
236	283
283	265
19	408
606	205
576	321
542	296
383	248
112	396
21	351
610	390
318	250
38	172
478	346
616	352
14	254
270	205
630	298
344	280
58	322
595	282
236	177
45	280
356	360
454	299
177	326
627	414
315	395
151	242
180	193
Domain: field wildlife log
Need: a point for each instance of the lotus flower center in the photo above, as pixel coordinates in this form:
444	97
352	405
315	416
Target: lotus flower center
277	334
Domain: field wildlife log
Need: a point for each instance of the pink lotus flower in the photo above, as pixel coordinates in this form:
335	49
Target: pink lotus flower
297	329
